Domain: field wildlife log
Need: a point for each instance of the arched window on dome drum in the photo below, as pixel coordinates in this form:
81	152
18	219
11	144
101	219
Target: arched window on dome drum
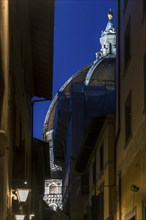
110	48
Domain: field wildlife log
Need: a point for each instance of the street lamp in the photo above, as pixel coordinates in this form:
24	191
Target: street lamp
23	194
31	216
19	217
19	197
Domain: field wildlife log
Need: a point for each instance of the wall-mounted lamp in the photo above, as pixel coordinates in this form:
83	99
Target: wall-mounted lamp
20	194
31	216
134	188
19	200
19	217
23	194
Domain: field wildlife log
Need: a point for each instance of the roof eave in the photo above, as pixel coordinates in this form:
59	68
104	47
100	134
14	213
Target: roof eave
42	35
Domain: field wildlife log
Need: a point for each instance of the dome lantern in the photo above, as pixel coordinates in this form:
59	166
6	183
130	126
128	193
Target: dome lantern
108	38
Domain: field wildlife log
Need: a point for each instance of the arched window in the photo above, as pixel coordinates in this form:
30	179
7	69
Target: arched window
110	48
53	206
53	189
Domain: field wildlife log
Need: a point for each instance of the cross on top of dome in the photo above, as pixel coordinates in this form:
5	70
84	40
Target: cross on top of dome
110	14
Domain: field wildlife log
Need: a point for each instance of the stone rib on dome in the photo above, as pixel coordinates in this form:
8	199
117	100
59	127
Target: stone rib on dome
78	77
101	72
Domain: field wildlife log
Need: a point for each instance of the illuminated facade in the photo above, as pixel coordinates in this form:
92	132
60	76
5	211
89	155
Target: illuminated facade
53	193
131	115
53	185
98	170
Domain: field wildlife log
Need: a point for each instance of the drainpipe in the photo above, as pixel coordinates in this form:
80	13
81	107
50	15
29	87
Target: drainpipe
95	174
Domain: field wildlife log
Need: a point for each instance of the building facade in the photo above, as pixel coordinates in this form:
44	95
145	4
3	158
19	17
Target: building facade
130	130
98	182
53	193
23	74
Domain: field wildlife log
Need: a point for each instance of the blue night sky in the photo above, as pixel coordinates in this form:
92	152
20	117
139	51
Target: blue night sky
77	29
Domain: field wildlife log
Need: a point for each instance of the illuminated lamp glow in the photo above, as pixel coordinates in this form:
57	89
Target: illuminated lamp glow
23	194
19	217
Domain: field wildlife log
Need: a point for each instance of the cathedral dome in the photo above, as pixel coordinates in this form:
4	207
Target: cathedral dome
100	73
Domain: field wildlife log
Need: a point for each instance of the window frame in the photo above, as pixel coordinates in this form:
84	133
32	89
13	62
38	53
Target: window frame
125	2
101	157
53	189
85	184
144	7
127	45
128	117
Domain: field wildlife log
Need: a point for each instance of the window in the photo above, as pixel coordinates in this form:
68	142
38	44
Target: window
94	173
19	158
85	184
144	6
53	189
101	157
125	5
128	118
127	45
97	208
110	48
